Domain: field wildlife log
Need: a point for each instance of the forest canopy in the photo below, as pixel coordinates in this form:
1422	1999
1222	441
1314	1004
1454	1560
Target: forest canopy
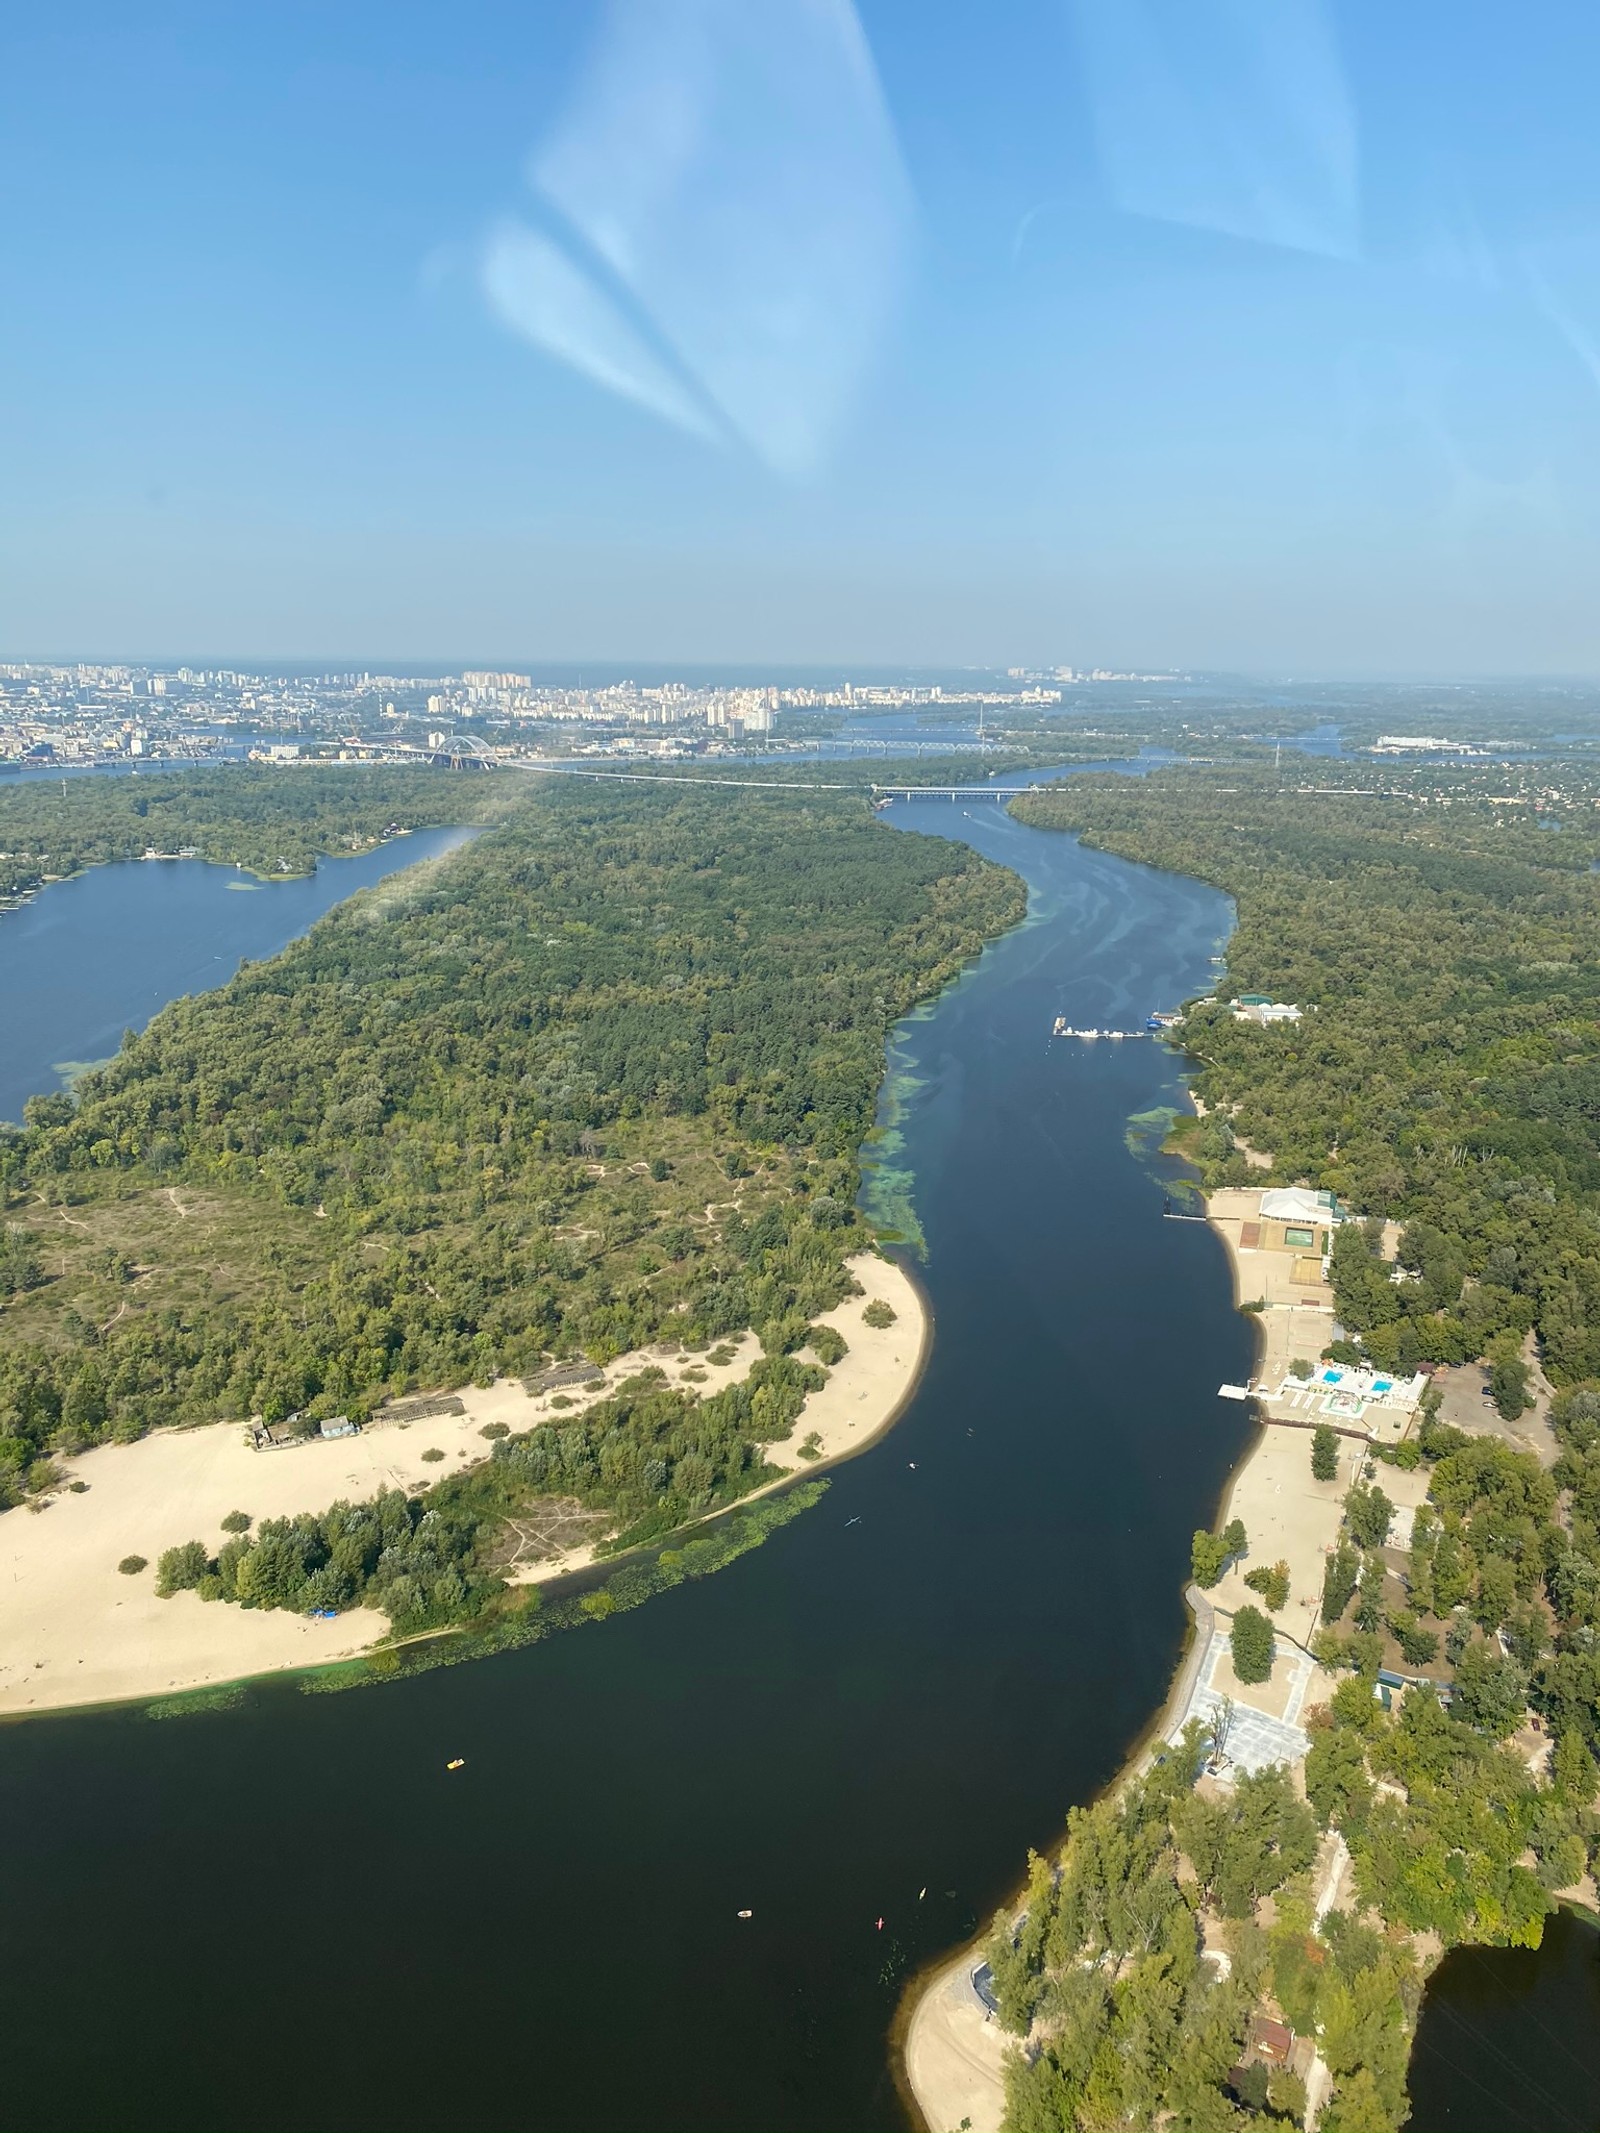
269	821
602	1075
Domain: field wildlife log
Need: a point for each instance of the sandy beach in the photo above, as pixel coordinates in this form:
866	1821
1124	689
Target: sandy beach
74	1630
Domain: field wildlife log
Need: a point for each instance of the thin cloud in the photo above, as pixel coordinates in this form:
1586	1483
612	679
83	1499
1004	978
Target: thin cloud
731	172
1230	115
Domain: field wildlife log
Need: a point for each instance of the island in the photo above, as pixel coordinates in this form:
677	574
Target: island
504	1225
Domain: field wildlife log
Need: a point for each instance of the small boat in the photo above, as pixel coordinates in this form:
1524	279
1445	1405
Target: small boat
460	1763
747	1914
849	1522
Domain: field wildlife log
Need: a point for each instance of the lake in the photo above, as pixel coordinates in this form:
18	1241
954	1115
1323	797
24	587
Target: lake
289	1915
101	953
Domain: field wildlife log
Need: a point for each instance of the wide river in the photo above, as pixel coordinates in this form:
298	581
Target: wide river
289	1916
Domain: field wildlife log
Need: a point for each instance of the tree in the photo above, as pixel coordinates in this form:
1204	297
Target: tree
1252	1641
1208	1556
1508	1375
1339	1576
1358	2107
1368	1513
1491	1692
1369	1594
180	1569
1235	1540
1337	1784
1418	1646
878	1314
1324	1452
20	1264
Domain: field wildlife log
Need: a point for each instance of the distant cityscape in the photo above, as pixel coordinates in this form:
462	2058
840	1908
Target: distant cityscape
92	714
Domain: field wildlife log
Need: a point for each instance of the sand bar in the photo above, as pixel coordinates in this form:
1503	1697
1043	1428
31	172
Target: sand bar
74	1630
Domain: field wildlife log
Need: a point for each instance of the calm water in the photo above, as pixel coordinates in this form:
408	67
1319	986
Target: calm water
1510	2041
290	1916
103	952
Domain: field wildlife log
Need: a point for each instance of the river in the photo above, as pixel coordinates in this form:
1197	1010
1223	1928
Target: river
288	1915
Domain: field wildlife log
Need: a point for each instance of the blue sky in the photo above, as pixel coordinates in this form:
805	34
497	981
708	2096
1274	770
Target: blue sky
1260	334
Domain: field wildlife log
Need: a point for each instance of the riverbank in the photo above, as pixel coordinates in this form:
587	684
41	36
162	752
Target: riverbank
952	2059
74	1630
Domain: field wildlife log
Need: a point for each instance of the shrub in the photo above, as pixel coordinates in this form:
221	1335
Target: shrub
1272	1584
433	1454
236	1522
1252	1641
491	1430
879	1314
827	1344
131	1565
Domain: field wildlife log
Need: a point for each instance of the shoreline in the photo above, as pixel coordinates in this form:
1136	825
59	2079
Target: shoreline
76	1635
945	2053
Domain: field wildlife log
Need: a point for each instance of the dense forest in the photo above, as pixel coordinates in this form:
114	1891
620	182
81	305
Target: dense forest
1132	2019
599	1078
1444	943
1179	1909
271	821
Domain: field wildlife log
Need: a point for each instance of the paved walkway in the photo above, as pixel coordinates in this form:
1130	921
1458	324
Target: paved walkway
1255	1739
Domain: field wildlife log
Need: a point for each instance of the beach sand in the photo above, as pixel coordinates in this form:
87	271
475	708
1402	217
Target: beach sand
954	2055
74	1630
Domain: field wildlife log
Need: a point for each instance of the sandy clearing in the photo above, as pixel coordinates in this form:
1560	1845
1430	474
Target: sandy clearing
1290	1517
74	1630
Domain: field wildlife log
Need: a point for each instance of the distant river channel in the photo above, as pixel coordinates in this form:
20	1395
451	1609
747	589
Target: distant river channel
288	1915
